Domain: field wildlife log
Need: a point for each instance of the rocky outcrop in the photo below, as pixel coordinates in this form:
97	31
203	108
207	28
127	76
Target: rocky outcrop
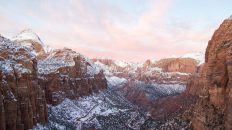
58	86
213	83
67	74
29	39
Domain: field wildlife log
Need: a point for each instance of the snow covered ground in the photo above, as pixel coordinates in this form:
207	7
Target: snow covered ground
156	91
115	81
104	111
170	89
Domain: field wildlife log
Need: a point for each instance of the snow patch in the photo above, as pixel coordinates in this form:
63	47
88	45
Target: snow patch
115	81
57	59
170	88
73	114
27	34
121	63
93	69
106	69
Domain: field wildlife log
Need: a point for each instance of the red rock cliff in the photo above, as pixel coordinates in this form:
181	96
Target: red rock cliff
185	65
213	83
22	99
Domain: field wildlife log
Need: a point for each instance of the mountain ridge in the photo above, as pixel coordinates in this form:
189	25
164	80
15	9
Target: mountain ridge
25	92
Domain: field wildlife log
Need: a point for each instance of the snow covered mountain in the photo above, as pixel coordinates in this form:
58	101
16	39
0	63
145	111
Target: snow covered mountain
168	71
31	78
31	40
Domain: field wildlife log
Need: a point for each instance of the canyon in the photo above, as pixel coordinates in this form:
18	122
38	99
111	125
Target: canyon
46	88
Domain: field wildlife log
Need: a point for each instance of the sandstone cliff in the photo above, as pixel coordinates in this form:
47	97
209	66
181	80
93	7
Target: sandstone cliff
22	99
185	65
212	84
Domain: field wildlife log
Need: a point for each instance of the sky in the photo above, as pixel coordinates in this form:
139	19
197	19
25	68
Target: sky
130	30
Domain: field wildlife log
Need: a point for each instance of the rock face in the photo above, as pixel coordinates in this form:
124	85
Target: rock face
22	99
213	83
32	76
195	81
67	74
185	65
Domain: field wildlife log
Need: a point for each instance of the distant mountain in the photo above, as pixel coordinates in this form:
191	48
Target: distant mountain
200	57
143	83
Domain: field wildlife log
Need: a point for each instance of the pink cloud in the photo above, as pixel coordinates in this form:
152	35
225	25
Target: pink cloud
98	29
